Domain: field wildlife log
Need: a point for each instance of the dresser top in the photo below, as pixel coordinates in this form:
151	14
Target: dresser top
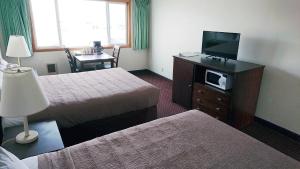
231	66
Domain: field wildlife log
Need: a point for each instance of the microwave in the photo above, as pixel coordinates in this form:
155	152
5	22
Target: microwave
217	79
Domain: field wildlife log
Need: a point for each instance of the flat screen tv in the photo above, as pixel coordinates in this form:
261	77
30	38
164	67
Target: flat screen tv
221	44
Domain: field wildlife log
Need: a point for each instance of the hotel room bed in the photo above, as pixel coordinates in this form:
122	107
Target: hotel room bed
87	96
187	140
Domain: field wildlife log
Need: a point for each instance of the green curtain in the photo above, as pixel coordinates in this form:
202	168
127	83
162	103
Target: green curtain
141	19
15	20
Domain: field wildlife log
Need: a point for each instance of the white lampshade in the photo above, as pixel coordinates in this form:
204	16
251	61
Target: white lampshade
21	94
17	47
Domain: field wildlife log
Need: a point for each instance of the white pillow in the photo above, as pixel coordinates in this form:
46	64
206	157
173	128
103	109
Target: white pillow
32	162
11	121
3	65
2	68
10	161
3	62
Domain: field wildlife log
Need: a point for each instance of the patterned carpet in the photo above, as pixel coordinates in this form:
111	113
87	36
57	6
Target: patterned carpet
259	131
165	106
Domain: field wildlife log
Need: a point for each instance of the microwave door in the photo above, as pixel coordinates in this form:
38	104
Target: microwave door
213	78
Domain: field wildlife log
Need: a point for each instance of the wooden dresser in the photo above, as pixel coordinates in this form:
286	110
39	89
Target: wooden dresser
236	106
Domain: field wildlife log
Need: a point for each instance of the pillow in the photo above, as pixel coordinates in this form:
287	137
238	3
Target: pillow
3	62
1	79
31	162
3	65
12	121
10	161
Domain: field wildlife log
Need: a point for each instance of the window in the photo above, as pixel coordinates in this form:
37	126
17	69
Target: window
77	23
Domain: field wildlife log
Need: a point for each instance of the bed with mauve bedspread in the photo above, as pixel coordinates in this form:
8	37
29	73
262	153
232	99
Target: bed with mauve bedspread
187	140
77	98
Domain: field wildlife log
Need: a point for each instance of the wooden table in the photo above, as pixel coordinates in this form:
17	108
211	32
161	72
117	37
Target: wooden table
49	140
104	57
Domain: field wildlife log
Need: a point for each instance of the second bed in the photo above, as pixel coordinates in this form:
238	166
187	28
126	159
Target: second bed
78	98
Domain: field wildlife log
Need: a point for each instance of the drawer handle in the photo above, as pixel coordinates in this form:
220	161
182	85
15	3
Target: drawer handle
190	85
198	100
219	99
198	108
200	91
218	109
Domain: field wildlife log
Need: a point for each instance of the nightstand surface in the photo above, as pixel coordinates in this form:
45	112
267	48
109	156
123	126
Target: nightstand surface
49	140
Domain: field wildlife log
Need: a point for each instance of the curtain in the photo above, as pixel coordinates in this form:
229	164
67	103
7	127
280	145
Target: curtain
141	19
15	20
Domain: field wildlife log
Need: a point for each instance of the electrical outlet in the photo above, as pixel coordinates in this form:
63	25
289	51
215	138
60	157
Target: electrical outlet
52	68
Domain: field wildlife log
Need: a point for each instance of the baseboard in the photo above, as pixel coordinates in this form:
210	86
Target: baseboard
159	75
279	129
149	71
138	71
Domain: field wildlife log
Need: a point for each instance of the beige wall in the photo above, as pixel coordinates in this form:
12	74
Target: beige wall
270	35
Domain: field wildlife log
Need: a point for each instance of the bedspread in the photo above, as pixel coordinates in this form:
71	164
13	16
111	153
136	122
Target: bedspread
81	97
191	140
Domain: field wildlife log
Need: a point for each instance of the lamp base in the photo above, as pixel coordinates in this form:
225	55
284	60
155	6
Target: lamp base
22	139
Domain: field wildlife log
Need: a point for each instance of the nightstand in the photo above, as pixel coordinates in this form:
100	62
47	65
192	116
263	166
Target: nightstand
49	140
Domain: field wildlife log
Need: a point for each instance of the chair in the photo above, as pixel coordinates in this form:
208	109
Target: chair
71	61
116	55
73	65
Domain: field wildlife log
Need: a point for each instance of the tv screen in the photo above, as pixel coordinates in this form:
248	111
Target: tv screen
221	44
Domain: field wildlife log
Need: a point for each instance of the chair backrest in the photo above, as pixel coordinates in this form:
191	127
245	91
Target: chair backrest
116	54
71	60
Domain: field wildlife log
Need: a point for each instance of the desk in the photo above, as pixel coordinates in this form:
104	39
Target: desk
104	57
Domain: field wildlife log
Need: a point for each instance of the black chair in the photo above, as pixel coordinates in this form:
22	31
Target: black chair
73	64
71	61
116	55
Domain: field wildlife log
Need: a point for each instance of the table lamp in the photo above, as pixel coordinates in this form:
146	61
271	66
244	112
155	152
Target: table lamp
21	96
17	47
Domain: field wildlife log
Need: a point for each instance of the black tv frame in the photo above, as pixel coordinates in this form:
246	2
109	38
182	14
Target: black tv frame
219	54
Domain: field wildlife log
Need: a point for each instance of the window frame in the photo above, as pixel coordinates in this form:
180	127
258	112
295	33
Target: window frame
60	48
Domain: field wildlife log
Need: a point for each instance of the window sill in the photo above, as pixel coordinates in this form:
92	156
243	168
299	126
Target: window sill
62	49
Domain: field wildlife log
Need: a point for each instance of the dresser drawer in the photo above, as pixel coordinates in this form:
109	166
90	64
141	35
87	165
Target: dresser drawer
218	111
211	101
212	95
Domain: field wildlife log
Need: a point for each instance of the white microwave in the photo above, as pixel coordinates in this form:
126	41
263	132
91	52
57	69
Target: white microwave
220	80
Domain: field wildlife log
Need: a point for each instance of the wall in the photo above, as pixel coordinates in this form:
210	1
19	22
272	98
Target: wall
129	60
270	36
